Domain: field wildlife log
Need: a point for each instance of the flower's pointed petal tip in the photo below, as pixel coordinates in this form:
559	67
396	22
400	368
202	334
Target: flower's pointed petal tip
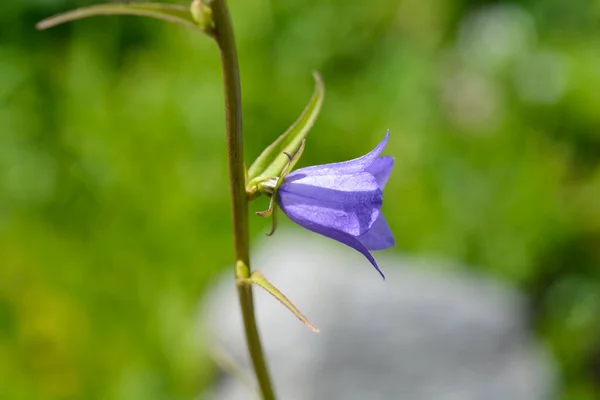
381	146
369	257
378	149
345	167
346	239
380	273
386	137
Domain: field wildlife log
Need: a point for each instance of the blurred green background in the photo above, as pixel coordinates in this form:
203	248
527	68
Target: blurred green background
114	207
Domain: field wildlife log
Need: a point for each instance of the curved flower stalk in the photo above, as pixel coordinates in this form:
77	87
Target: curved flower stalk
342	201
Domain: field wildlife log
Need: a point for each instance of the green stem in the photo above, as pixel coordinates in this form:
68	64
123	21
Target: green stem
235	149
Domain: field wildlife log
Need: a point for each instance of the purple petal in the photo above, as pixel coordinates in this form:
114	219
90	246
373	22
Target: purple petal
379	237
344	238
346	203
346	167
381	168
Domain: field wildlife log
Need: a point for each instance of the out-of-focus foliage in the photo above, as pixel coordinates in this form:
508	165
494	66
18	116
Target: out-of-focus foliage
113	197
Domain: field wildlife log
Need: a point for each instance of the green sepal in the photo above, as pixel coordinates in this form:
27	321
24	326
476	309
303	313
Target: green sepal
273	159
257	278
270	212
166	12
270	189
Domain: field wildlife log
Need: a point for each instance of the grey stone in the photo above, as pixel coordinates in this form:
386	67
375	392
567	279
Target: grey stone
432	330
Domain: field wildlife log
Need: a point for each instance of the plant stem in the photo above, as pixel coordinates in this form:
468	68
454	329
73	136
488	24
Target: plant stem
235	149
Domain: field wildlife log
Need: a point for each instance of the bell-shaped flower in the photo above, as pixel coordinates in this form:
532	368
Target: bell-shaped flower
342	201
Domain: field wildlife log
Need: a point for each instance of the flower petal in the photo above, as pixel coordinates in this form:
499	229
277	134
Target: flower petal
346	239
379	237
381	168
347	203
345	167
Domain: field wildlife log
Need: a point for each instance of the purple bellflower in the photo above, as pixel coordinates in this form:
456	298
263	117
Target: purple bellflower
342	201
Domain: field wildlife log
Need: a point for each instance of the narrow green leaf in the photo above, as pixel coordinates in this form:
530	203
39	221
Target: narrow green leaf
167	12
258	279
272	160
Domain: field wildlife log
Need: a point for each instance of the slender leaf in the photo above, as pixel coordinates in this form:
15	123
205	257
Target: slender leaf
259	279
167	12
272	160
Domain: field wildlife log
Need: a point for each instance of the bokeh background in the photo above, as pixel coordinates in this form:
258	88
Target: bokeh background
114	208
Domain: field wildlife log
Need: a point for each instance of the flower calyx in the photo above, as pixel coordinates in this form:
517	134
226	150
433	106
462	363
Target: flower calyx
270	185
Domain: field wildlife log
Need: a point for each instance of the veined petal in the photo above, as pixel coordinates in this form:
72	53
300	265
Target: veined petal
345	167
381	168
346	239
379	237
346	203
